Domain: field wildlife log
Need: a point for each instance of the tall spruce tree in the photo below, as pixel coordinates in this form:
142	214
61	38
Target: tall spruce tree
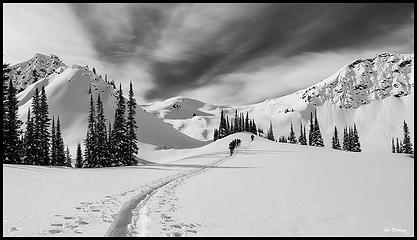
345	139
311	139
300	138
227	126
29	143
44	135
317	134
401	147
79	159
304	135
101	135
407	144
68	158
356	146
222	127
35	150
11	132
53	143
110	149
120	135
292	138
247	122
335	140
398	147
215	135
132	126
392	146
270	133
90	140
4	124
60	149
236	123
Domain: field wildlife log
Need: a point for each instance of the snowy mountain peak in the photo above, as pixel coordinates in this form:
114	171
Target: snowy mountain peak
38	67
364	81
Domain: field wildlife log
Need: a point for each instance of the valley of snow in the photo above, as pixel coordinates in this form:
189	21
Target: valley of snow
264	189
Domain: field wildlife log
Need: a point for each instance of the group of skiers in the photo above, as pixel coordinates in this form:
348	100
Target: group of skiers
234	144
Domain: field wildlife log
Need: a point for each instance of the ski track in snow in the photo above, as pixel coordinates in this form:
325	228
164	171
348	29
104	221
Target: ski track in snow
132	219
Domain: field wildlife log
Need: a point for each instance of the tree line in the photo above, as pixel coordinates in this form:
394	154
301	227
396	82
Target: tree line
405	145
239	123
109	147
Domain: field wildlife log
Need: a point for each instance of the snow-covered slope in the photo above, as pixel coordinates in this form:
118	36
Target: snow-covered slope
264	189
67	90
377	94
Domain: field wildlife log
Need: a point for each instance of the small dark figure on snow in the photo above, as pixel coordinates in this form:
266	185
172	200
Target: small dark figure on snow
252	137
234	144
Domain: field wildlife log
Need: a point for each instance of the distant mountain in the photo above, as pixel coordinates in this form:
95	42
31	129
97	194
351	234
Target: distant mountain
67	90
376	93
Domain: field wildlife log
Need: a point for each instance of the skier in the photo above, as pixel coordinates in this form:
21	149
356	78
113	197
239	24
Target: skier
231	147
252	137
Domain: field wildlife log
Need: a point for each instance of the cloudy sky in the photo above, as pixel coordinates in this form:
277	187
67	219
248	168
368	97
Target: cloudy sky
218	53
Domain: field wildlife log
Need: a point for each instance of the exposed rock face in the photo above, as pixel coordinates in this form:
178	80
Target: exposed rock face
364	81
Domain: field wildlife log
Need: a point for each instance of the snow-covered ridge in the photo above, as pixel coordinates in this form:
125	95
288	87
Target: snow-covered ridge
40	66
364	81
68	93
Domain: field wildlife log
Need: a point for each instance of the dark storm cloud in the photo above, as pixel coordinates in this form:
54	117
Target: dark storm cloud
143	26
263	35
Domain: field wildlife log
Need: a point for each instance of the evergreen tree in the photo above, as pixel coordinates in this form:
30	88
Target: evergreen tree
247	122
317	134
407	144
356	144
349	138
227	126
300	138
311	139
35	150
4	124
270	133
242	122
401	147
12	129
393	145
29	144
120	134
222	127
398	147
216	135
44	135
101	135
53	144
68	158
90	141
254	127
335	139
132	126
110	149
60	149
236	125
79	159
304	135
345	139
292	138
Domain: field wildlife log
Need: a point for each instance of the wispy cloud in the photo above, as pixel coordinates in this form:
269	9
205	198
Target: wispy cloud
186	49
